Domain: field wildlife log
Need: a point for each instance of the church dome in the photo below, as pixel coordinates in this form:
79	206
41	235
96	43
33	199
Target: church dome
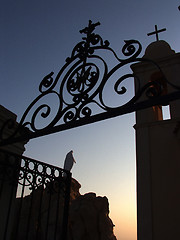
158	49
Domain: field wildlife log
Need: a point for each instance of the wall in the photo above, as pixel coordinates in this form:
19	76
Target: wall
7	189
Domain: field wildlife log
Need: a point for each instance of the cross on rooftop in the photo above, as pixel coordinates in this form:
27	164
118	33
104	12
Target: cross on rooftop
156	32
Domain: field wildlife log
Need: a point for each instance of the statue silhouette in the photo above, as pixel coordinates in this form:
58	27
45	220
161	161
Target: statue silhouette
69	161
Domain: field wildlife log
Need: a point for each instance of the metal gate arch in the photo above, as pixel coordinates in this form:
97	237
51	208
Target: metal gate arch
81	81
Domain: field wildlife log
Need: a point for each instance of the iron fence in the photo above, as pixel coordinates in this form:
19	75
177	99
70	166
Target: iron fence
34	199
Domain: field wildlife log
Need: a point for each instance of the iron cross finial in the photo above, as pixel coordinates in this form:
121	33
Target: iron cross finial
156	32
90	28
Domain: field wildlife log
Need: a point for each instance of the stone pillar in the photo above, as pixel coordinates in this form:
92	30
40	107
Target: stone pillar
7	184
158	150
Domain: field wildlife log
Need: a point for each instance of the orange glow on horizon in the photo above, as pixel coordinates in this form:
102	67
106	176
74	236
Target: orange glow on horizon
123	215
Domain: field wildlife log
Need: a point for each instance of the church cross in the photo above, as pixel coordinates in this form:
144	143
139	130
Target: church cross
156	32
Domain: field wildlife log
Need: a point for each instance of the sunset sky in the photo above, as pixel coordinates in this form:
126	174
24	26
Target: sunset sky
36	38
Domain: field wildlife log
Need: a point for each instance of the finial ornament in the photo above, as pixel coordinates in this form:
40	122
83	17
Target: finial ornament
156	32
91	27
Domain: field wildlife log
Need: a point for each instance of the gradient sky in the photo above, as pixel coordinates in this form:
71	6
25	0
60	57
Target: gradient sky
36	38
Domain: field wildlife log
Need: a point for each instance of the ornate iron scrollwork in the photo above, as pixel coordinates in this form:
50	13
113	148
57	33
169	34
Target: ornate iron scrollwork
31	173
80	84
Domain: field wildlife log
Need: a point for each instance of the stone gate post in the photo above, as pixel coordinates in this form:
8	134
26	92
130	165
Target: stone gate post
8	184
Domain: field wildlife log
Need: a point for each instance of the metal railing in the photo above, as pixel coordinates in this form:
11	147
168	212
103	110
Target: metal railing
34	199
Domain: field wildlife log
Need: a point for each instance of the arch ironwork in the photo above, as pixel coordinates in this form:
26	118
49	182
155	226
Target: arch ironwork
79	89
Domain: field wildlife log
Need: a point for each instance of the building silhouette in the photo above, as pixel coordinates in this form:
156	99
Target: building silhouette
158	149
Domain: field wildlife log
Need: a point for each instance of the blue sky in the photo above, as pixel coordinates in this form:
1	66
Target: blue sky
36	38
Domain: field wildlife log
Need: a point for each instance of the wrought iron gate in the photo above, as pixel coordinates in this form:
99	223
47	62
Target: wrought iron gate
83	83
36	204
